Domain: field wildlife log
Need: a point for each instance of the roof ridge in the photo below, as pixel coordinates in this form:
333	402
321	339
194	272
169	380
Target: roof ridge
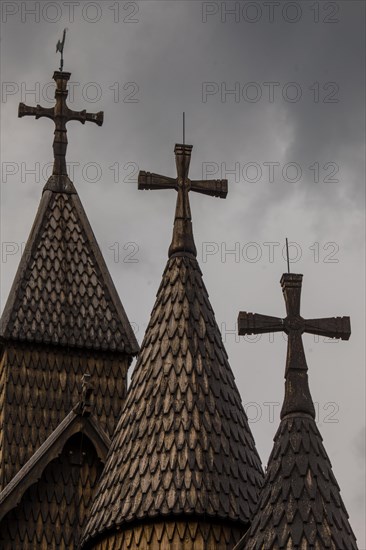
73	423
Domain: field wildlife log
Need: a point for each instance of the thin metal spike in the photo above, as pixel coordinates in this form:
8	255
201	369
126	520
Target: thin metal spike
288	258
184	128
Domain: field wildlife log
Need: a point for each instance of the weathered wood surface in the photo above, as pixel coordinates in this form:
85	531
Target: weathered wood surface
183	446
300	505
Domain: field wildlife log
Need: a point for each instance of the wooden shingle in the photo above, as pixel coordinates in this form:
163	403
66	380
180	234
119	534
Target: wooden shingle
300	506
183	448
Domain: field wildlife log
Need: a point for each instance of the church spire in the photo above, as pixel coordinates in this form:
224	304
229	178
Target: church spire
300	504
63	321
183	470
63	312
60	114
62	256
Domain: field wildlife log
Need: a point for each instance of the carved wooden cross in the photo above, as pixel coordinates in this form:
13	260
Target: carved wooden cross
297	394
60	114
182	234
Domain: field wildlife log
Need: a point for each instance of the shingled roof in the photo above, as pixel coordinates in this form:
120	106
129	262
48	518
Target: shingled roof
300	506
76	422
183	448
46	503
62	293
63	324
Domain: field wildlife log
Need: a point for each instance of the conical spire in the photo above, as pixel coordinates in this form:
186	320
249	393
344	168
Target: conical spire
63	317
183	470
300	506
63	323
62	292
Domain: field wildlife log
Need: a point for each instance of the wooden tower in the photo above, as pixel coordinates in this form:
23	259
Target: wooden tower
183	470
300	506
66	345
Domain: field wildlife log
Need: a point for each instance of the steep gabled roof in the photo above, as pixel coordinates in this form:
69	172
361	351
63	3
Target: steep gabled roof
183	447
300	506
75	422
62	293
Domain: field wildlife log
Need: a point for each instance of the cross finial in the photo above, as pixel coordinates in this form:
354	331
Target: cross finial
182	241
60	114
297	393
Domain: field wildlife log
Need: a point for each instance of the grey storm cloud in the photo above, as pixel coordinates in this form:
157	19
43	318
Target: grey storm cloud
144	63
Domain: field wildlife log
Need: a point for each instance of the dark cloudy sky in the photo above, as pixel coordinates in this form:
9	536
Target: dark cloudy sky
274	100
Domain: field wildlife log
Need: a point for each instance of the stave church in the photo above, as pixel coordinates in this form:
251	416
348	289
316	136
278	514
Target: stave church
168	462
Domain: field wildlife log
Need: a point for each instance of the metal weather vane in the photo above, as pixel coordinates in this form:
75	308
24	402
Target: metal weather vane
60	48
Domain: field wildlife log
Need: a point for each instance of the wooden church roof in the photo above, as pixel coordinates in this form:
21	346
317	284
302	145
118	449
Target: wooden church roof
63	323
183	447
77	421
300	506
63	293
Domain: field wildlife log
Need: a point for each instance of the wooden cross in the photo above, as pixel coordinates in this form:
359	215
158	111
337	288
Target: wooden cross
297	394
60	114
182	235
